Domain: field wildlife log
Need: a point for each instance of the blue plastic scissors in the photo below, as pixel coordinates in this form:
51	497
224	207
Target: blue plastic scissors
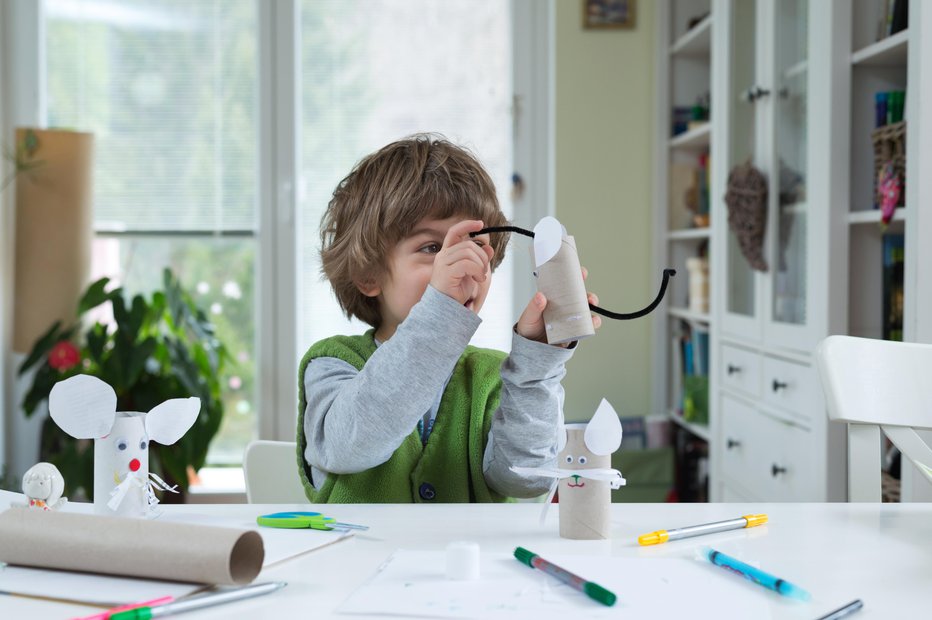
299	520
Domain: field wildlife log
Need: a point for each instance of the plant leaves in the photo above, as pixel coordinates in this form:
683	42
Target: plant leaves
42	347
96	295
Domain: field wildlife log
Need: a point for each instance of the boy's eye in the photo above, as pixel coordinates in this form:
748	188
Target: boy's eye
430	248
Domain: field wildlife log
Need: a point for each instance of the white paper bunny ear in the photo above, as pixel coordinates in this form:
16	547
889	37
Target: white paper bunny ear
561	438
548	237
166	423
83	406
603	433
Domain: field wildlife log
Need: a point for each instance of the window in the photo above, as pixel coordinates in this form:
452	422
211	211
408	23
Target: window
169	89
374	71
188	114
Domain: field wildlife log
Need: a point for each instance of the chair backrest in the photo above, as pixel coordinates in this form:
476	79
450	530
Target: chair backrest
875	385
271	470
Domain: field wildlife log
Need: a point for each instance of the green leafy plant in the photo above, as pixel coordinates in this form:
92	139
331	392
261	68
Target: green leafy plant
22	157
155	349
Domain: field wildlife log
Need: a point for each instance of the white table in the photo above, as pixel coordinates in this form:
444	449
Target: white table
880	553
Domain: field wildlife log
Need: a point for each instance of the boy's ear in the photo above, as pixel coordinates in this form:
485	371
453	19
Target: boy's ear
369	287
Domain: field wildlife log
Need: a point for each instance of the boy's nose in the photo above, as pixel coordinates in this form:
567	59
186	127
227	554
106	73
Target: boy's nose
134	465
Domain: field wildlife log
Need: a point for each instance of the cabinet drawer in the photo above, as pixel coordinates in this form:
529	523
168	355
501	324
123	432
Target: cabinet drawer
741	370
792	387
772	459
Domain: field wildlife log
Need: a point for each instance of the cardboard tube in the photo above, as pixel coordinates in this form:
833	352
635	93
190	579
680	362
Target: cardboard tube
585	504
130	547
112	465
54	231
567	316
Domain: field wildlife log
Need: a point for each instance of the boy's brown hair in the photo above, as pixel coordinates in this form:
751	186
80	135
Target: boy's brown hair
384	197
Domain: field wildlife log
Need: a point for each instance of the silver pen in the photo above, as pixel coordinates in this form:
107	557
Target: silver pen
199	602
662	536
841	612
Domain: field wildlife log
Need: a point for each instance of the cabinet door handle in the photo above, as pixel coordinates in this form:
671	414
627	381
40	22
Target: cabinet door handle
776	470
732	369
732	443
754	93
779	385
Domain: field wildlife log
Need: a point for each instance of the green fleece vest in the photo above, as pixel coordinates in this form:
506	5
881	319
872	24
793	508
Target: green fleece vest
449	467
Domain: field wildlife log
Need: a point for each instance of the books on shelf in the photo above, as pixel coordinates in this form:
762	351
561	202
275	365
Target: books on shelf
690	374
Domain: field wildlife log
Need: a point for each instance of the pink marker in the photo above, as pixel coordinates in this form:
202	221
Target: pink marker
104	615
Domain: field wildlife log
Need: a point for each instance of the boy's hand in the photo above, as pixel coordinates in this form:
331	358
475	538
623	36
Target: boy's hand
461	263
531	323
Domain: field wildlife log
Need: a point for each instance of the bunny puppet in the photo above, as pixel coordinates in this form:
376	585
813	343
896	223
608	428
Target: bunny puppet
85	408
585	476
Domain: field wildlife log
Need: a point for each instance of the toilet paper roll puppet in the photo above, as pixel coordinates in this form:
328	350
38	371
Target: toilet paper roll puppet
584	475
567	316
86	408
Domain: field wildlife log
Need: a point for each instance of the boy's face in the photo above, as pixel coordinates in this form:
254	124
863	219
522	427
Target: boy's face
410	267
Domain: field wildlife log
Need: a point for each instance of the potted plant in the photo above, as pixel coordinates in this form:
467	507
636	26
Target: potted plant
155	349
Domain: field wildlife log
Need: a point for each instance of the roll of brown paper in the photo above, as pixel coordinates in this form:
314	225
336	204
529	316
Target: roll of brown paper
566	317
585	504
130	547
54	230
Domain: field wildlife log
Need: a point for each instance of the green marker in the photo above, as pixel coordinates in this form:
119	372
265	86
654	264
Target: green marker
590	589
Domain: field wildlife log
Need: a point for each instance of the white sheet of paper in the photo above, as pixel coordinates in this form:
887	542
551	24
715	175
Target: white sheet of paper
280	544
90	588
413	583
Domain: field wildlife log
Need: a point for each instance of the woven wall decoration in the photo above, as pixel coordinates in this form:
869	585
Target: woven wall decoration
746	197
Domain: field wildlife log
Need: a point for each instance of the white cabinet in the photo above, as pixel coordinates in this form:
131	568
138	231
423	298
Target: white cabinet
793	90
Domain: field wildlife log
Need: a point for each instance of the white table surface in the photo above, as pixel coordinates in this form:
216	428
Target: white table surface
880	553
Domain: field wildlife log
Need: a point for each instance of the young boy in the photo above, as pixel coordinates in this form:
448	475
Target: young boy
408	412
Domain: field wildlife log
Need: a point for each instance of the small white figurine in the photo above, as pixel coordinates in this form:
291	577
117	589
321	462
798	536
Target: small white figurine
85	407
585	476
44	485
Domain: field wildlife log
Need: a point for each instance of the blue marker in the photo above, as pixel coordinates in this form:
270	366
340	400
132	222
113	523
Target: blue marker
755	574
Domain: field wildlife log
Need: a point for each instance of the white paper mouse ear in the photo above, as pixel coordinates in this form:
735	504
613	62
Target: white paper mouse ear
548	237
166	423
603	433
83	406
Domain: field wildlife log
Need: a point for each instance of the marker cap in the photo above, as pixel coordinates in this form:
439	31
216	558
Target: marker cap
755	520
654	538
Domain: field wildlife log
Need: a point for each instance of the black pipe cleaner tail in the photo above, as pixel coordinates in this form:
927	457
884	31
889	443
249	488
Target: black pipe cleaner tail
667	274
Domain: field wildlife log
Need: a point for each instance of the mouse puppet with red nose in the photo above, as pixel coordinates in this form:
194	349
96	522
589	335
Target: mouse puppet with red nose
85	408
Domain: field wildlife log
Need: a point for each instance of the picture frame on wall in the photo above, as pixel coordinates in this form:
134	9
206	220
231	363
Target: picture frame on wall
608	14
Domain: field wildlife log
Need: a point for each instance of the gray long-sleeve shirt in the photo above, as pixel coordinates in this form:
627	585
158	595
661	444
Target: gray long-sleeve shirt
347	427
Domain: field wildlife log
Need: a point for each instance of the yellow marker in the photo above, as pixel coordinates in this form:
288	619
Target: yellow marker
662	536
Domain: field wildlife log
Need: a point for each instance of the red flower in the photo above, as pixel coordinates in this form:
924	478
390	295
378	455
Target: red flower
63	356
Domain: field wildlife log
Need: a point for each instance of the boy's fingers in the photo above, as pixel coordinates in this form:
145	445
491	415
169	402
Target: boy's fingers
463	252
585	273
460	231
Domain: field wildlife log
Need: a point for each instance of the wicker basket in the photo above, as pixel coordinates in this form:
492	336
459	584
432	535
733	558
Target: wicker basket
890	145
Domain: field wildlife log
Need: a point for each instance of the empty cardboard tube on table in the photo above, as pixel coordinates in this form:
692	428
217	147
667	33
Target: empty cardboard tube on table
130	547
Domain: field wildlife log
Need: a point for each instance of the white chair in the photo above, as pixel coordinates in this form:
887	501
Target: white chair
271	470
875	385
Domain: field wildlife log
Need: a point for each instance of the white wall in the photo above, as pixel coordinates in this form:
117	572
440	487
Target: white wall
604	124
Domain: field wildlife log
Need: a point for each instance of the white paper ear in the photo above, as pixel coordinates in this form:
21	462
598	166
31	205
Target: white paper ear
83	406
166	423
561	438
548	237
603	433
